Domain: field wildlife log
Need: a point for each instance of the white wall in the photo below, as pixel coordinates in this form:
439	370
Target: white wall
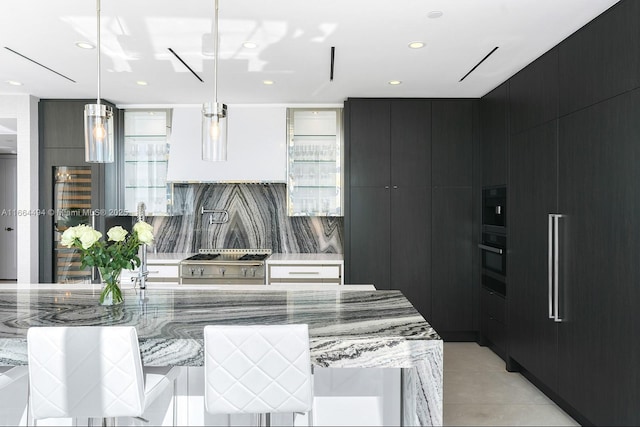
24	109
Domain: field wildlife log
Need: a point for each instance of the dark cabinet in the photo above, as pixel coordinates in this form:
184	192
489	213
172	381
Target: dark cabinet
494	136
493	320
452	139
389	196
583	165
409	205
455	299
454	306
596	63
532	196
533	93
600	249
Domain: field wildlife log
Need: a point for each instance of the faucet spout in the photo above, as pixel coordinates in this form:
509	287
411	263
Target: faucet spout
143	271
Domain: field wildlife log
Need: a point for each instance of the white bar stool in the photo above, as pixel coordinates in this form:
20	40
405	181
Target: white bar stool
260	369
91	372
13	395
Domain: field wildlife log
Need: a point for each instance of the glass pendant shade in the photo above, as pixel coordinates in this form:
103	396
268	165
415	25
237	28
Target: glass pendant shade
98	134
214	132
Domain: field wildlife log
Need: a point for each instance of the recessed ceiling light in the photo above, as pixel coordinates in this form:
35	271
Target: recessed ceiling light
250	45
395	82
416	45
85	45
141	83
13	83
435	14
268	82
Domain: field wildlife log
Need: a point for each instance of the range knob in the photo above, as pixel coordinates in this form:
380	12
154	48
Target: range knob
201	271
222	270
244	271
253	272
192	271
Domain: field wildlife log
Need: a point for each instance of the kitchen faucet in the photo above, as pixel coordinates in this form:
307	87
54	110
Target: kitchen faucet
143	272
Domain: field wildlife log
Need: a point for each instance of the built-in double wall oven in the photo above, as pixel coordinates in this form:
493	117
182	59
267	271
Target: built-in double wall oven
494	239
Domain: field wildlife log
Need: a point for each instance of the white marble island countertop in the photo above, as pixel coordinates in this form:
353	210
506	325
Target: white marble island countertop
346	328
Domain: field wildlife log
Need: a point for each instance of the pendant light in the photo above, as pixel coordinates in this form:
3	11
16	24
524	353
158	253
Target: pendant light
98	126
214	114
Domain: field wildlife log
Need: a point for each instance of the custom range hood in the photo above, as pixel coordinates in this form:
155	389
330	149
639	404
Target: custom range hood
257	146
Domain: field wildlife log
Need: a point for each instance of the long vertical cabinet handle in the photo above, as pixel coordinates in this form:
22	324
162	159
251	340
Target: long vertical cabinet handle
554	267
551	257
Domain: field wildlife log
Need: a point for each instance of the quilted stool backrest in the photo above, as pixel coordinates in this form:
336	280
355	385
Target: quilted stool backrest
85	371
257	369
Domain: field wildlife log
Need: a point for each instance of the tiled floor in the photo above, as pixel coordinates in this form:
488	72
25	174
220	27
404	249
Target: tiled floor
478	391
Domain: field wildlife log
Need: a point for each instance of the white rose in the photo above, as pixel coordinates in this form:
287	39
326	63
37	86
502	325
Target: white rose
88	236
69	237
144	232
117	233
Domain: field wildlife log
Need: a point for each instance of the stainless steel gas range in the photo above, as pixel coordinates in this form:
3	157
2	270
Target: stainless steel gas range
225	267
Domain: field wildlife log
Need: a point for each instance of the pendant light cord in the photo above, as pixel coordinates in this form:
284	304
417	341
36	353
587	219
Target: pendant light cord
215	56
98	14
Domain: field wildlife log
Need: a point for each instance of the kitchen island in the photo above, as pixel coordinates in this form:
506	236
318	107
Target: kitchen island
348	329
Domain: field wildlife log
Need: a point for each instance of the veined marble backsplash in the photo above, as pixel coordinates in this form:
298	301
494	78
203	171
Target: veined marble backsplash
257	219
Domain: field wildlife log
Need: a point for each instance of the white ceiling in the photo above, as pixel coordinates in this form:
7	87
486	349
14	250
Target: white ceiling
294	39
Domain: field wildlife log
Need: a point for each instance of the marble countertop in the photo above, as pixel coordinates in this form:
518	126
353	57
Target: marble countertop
170	322
347	329
306	258
167	257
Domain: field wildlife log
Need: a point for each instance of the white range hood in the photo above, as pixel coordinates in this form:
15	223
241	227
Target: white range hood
257	146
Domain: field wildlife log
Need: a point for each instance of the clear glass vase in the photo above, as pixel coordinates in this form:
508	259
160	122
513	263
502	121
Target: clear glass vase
111	293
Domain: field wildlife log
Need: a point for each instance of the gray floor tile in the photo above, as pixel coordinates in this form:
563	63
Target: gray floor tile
505	415
479	391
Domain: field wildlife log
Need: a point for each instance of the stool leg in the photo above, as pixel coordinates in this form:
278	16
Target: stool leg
175	402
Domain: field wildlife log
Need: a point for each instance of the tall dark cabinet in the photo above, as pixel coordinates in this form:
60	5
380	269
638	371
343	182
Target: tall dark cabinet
389	198
598	342
574	151
532	195
454	298
409	206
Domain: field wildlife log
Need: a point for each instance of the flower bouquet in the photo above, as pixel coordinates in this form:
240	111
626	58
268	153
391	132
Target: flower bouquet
120	251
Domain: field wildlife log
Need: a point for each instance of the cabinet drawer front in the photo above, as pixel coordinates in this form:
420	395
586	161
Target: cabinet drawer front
494	305
304	272
155	272
163	270
494	331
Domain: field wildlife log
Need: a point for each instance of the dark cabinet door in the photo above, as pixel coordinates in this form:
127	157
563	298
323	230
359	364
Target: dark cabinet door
369	233
599	347
410	143
369	149
595	63
532	195
452	292
493	137
411	245
533	93
452	143
410	162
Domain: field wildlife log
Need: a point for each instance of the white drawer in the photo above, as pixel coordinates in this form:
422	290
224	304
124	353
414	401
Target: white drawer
156	273
163	270
305	272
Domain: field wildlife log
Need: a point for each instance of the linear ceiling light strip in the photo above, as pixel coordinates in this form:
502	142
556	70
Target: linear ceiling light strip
478	64
37	63
333	56
185	64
